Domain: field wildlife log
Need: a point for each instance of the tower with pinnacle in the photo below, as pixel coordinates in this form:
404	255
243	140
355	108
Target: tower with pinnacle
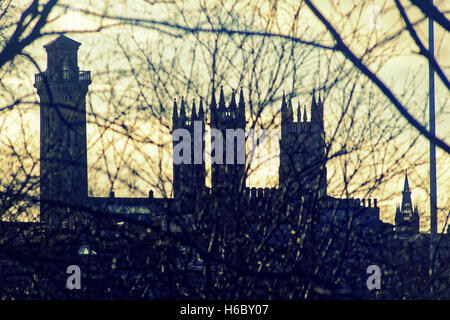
302	150
62	90
407	219
229	174
189	177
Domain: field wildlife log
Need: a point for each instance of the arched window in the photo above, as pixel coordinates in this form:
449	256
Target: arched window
66	69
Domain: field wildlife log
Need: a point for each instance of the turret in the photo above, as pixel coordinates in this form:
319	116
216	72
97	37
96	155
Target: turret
194	113
213	109
407	219
241	110
299	113
233	105
175	115
201	112
284	112
222	105
182	112
290	111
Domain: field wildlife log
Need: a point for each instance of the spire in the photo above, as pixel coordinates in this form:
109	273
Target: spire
406	198
305	115
175	118
406	184
320	107
201	112
290	111
233	104
314	103
213	104
314	108
194	111
175	109
221	99
182	111
299	113
213	109
241	109
283	108
241	99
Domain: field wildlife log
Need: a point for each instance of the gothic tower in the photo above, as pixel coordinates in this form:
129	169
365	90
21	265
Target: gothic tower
302	150
228	156
62	90
189	177
407	219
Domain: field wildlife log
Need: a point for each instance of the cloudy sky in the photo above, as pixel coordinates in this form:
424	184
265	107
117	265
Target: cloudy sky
117	52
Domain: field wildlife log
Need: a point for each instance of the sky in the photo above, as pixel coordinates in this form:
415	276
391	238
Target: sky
397	64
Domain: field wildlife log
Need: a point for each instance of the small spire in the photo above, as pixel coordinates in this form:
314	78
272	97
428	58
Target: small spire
175	109
305	115
182	109
221	99
406	184
194	111
213	104
290	111
406	198
233	101
314	103
241	99
283	108
201	112
299	113
241	110
314	109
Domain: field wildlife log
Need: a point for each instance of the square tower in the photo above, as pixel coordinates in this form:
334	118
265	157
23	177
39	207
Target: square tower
62	90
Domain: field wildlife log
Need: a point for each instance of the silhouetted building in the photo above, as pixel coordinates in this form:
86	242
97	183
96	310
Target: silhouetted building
189	178
359	236
62	89
302	150
407	220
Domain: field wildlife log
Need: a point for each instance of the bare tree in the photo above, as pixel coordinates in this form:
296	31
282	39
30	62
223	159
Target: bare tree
300	234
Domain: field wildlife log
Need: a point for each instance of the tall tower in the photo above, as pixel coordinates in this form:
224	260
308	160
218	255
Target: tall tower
406	217
189	178
62	90
228	172
302	150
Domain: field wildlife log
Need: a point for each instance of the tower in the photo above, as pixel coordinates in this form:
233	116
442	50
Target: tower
302	150
228	152
62	90
406	217
189	176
